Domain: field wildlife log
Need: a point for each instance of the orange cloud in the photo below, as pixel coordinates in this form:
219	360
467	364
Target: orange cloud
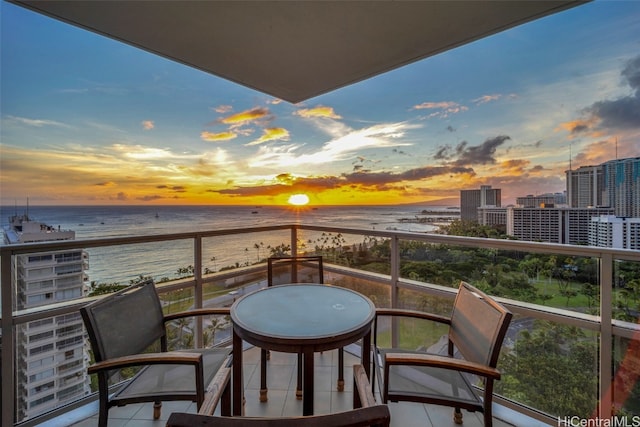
595	153
271	134
217	137
514	166
579	126
148	124
326	112
246	116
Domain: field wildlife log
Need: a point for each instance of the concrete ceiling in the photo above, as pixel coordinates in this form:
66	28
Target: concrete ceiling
296	50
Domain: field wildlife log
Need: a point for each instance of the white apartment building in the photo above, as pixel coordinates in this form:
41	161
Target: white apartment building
610	231
50	353
553	225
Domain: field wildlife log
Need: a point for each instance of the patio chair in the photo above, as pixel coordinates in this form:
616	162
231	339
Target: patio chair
122	326
477	327
366	413
302	269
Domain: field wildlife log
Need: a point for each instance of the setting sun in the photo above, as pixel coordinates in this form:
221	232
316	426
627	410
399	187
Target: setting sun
298	199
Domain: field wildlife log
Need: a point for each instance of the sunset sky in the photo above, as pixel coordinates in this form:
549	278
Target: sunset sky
88	120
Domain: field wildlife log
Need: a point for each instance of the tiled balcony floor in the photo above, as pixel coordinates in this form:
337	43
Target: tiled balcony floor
282	400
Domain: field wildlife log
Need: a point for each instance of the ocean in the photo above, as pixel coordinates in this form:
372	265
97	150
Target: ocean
121	264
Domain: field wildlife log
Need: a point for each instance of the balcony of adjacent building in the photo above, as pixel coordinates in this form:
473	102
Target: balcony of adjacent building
571	350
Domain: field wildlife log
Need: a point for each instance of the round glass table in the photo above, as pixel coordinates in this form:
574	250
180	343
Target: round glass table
299	318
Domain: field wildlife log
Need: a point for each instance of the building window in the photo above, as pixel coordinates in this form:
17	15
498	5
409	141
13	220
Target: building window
41	362
40	401
43	387
40	349
41	375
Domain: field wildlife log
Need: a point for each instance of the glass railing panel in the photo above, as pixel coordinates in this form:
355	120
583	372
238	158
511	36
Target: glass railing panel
177	300
224	253
422	301
45	353
626	291
181	333
116	266
552	280
626	376
357	251
550	367
411	334
379	294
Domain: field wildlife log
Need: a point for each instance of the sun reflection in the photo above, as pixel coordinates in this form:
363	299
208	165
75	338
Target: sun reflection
298	199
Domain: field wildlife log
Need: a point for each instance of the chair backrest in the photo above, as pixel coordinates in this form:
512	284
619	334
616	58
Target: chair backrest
302	269
124	323
377	415
478	325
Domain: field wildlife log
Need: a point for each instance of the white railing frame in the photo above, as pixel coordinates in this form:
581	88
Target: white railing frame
604	324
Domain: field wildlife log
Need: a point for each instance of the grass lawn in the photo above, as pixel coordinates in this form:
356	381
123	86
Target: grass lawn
551	288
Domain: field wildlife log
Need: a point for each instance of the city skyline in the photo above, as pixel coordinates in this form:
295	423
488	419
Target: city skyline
88	120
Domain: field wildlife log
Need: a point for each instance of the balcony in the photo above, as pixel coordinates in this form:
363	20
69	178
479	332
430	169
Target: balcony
581	313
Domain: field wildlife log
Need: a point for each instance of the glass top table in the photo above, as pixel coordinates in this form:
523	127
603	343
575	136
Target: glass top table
299	318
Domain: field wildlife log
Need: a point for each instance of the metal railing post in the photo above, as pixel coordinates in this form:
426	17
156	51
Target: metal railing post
606	336
8	341
294	241
198	291
395	277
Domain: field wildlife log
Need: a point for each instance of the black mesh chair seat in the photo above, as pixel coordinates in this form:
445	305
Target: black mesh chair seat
425	382
172	382
463	378
123	327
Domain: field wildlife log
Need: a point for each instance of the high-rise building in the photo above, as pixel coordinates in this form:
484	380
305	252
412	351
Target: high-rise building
553	225
585	187
471	200
610	231
50	353
621	186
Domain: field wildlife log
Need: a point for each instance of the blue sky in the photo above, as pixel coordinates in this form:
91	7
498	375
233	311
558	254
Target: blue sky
88	120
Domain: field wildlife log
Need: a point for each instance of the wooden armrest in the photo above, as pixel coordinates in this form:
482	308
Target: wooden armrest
215	390
223	311
444	362
363	387
412	313
165	358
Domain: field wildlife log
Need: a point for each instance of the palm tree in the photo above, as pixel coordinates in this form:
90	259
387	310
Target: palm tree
217	323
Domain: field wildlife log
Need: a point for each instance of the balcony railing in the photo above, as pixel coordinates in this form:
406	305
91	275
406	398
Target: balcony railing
584	297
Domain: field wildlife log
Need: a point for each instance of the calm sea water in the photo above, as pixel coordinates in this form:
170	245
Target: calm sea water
120	264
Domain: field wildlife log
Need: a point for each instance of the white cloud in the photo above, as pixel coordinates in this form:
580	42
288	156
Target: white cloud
342	147
37	122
